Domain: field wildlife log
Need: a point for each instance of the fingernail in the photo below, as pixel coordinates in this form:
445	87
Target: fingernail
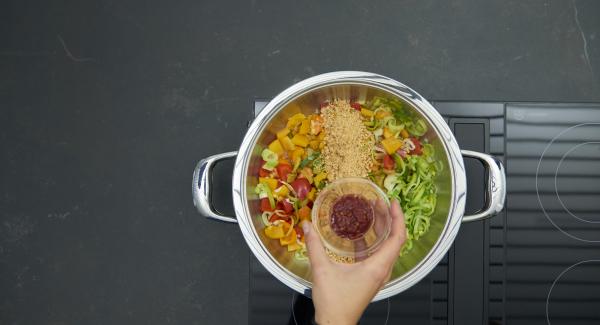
306	227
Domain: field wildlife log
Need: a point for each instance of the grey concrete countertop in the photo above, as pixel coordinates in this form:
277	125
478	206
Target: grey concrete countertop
107	106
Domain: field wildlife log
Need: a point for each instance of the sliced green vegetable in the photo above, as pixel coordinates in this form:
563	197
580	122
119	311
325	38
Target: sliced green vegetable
271	159
309	159
419	128
264	191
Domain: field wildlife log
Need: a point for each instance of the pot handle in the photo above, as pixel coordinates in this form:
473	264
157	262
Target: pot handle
495	186
201	183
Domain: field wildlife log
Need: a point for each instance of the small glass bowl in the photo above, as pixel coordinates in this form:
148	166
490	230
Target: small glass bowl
344	249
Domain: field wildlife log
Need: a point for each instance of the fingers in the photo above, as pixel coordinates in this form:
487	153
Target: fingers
316	251
381	209
388	252
398	226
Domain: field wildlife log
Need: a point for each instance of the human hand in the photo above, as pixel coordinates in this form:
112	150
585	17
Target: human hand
341	292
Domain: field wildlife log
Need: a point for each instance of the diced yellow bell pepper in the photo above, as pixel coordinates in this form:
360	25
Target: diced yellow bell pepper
276	147
271	182
304	127
284	161
295	120
382	114
297	162
404	133
366	112
283	133
391	145
286	240
287	143
297	154
282	191
319	178
387	133
285	226
314	144
307	173
274	232
293	247
311	195
300	140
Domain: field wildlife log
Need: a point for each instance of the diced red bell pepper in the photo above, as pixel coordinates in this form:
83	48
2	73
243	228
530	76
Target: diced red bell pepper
265	205
418	150
356	106
263	172
283	171
388	162
299	232
275	217
288	207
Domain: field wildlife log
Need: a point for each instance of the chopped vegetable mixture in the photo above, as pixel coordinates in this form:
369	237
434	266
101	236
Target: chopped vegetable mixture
293	170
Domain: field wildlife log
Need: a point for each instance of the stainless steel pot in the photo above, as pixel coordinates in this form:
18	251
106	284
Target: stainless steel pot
304	97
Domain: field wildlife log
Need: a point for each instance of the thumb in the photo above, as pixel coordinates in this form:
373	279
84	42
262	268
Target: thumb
316	251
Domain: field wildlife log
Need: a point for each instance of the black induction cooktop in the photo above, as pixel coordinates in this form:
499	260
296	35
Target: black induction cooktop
537	262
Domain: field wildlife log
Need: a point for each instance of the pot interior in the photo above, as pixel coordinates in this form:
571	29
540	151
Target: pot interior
307	103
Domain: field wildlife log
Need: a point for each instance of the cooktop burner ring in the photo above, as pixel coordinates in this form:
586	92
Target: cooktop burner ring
562	204
537	172
557	280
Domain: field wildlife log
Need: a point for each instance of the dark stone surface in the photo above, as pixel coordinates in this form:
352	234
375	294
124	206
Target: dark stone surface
106	107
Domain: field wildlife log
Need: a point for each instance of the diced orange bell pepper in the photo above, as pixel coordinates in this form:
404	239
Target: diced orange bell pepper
274	232
297	154
404	133
276	147
300	140
391	145
304	213
286	240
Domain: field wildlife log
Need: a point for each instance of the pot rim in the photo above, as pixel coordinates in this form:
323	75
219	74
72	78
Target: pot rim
455	163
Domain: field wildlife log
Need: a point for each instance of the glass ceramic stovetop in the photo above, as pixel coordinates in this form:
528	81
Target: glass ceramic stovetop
537	262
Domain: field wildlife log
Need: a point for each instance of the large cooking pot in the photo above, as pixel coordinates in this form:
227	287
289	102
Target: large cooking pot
304	97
